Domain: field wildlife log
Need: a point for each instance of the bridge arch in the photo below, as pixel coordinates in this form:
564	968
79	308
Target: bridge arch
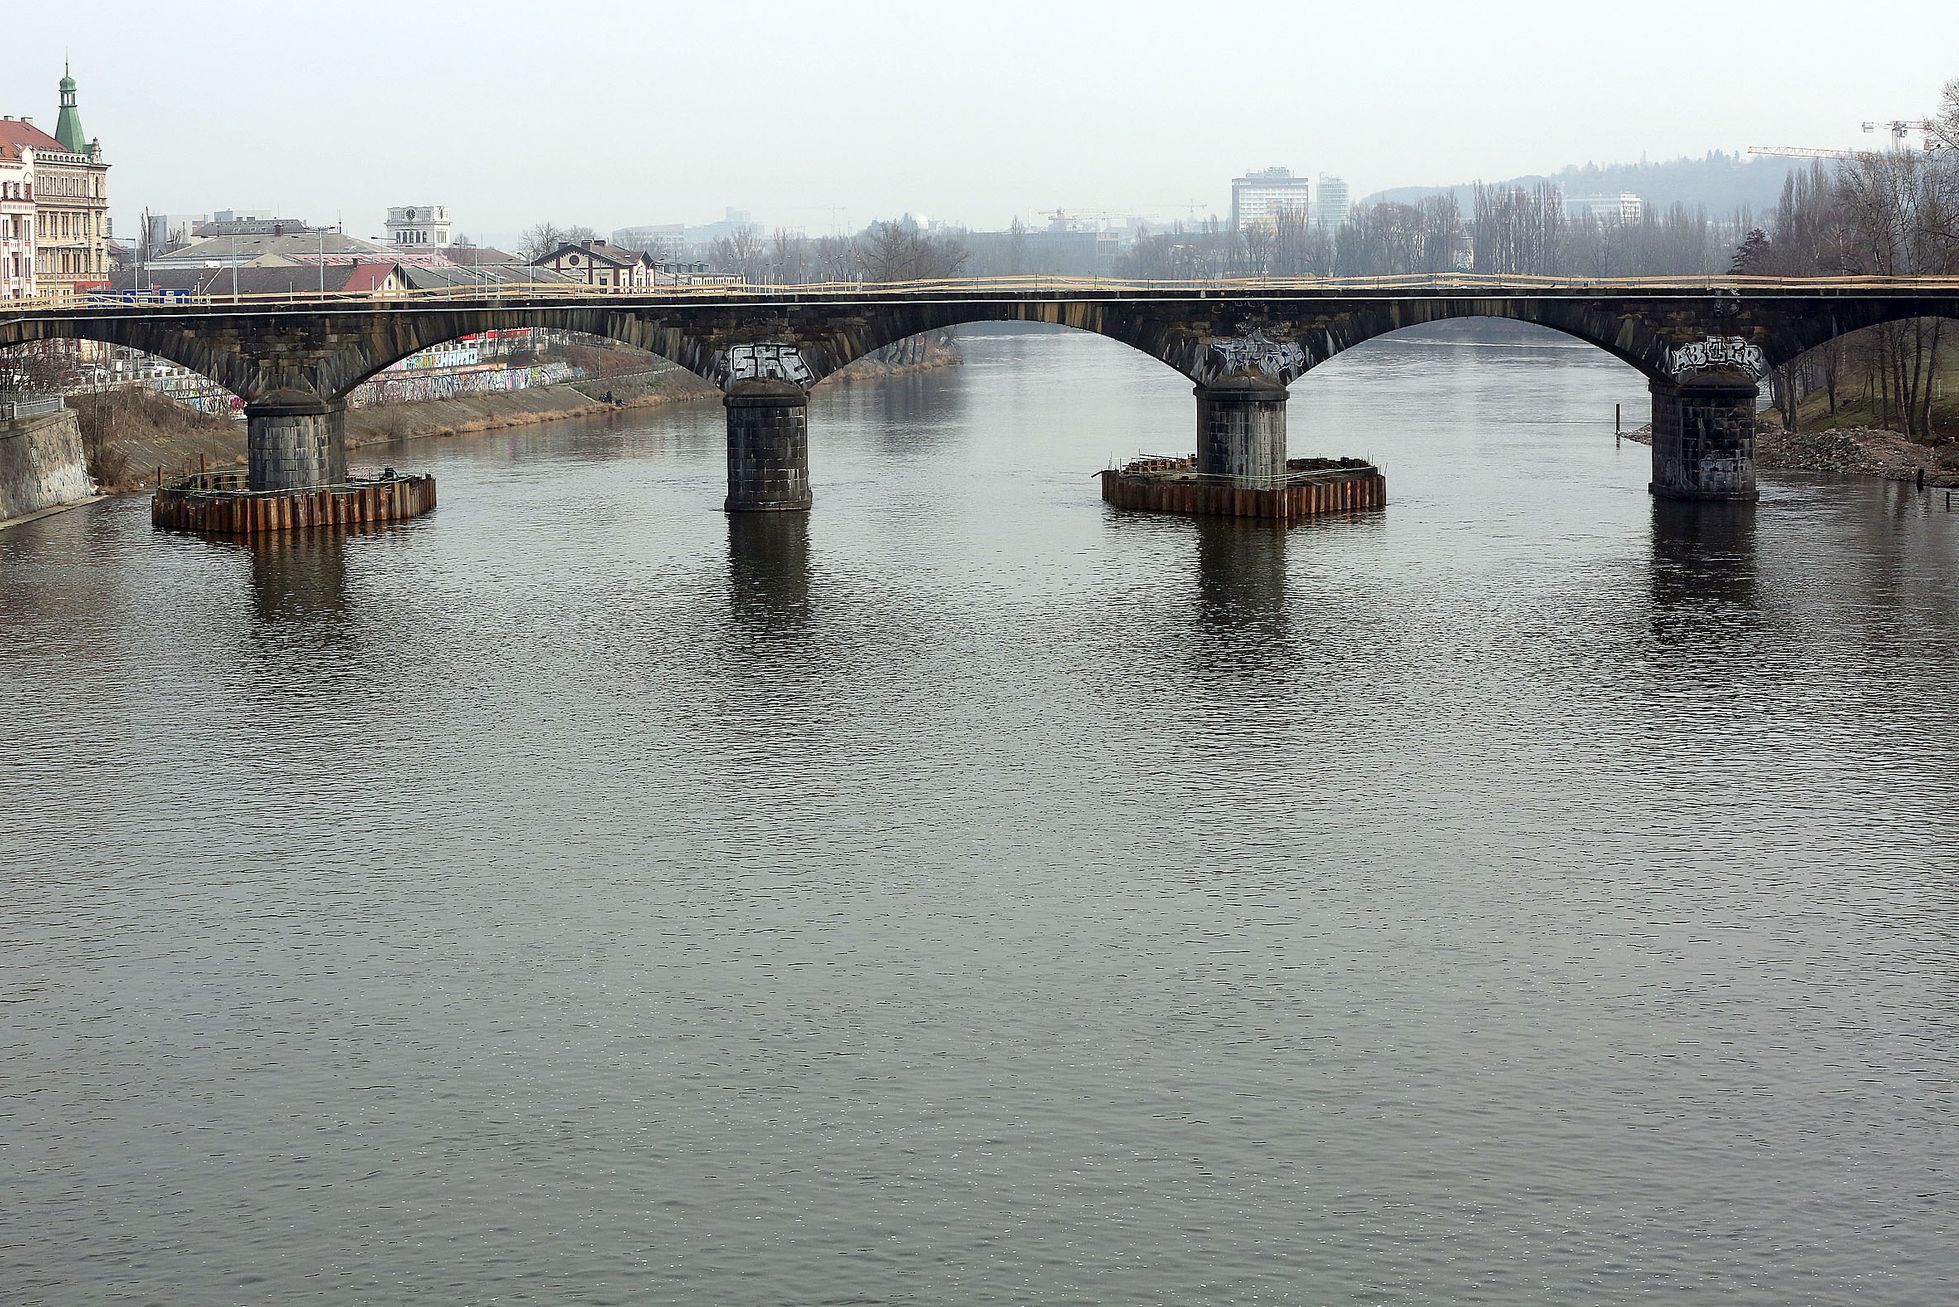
1623	336
1795	334
218	362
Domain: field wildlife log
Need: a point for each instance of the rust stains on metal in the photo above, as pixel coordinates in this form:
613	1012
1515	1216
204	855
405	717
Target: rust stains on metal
1311	487
219	503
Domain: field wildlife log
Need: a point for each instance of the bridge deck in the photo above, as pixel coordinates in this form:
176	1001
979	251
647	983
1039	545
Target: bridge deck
993	289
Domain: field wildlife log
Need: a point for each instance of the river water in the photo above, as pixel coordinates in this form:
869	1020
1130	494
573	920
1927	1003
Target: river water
966	894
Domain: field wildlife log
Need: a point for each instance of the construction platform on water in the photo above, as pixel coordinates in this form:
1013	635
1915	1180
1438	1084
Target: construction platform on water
222	503
1310	487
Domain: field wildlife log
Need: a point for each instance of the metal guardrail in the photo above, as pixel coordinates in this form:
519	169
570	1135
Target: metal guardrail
32	408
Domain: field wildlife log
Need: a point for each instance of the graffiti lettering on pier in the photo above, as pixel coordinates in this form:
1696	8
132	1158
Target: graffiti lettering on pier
1718	352
767	362
1258	352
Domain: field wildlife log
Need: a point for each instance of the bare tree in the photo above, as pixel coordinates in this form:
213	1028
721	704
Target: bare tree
743	253
539	239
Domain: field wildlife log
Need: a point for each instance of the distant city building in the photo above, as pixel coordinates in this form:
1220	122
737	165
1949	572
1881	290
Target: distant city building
599	263
16	221
1331	204
227	222
1260	197
672	273
71	199
424	225
1624	207
666	242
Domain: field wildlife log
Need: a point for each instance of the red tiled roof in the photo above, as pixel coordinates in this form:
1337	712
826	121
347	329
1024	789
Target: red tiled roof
14	131
368	276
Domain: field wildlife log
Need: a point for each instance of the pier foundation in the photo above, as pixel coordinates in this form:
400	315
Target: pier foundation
295	445
768	447
1704	437
1241	432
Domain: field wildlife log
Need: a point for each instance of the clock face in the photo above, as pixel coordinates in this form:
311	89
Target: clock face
411	215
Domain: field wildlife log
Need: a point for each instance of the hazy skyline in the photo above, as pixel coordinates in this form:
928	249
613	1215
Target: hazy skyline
815	117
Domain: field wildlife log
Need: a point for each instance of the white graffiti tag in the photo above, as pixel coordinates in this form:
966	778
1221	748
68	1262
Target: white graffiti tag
767	362
1258	352
1718	352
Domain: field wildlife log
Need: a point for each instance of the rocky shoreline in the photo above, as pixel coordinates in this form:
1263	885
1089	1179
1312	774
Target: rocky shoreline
1846	451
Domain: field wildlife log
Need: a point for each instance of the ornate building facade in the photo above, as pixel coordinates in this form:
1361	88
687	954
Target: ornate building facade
71	199
16	221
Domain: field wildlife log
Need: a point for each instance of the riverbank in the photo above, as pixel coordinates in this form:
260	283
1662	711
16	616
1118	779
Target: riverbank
1846	451
132	433
902	360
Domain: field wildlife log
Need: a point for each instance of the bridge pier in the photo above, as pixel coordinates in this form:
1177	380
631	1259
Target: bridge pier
768	447
295	445
1241	431
1704	437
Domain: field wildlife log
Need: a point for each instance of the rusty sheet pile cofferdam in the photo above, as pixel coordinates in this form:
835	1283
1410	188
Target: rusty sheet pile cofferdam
1311	487
218	502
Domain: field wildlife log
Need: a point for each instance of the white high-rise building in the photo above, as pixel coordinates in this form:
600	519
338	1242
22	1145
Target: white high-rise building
420	225
1624	207
1330	203
1258	198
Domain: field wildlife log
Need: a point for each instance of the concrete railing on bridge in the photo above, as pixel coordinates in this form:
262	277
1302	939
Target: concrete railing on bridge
20	410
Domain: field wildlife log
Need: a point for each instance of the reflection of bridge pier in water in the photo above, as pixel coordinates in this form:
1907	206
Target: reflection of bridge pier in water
1703	551
1241	574
768	570
298	575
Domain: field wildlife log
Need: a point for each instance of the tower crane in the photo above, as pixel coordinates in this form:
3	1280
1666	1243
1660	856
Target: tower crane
1903	127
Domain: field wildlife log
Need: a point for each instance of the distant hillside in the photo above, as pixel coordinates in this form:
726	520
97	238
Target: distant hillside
1721	182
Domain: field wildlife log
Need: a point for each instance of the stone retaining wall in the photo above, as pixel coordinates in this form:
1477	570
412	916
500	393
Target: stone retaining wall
41	465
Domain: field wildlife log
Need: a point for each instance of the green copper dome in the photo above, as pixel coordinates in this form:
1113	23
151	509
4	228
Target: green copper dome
68	127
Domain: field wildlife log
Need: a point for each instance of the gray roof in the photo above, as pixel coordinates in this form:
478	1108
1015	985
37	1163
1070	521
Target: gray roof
443	276
301	245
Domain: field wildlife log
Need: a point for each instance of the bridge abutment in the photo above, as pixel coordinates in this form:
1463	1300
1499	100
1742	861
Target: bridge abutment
1241	432
296	445
1704	438
768	447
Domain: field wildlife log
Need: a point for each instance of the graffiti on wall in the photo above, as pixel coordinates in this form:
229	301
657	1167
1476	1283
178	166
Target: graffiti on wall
770	361
1718	352
1257	352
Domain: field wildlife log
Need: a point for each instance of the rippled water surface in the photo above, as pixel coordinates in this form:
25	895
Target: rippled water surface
966	894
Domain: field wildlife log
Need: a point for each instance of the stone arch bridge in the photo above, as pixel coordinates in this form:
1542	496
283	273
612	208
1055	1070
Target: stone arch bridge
1704	347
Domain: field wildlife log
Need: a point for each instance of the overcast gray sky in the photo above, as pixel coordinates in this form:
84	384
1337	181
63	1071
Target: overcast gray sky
811	114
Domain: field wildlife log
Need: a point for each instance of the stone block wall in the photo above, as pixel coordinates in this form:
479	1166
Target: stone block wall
768	449
1704	439
1241	432
295	448
41	465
